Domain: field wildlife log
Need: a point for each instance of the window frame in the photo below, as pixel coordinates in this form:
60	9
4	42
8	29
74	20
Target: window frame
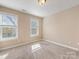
1	27
37	27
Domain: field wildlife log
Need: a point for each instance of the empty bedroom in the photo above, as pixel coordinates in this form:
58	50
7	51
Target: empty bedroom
39	29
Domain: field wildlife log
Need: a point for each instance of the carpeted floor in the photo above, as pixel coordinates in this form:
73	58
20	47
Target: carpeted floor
39	50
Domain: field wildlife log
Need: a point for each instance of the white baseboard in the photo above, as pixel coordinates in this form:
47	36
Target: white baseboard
66	46
17	45
13	46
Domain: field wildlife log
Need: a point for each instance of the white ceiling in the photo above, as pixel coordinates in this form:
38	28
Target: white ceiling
32	7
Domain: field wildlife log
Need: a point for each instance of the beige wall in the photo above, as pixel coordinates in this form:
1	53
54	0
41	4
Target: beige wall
63	27
24	28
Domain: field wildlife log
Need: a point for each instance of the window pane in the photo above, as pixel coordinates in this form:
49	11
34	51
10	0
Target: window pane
0	19
8	32
34	31
9	20
34	24
0	33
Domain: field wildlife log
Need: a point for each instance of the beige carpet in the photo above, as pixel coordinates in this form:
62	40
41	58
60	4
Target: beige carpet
39	50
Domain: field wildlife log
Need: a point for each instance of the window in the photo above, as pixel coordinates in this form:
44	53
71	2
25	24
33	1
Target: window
34	27
8	27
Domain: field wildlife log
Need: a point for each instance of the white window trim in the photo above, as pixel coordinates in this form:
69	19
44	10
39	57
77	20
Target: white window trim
12	38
